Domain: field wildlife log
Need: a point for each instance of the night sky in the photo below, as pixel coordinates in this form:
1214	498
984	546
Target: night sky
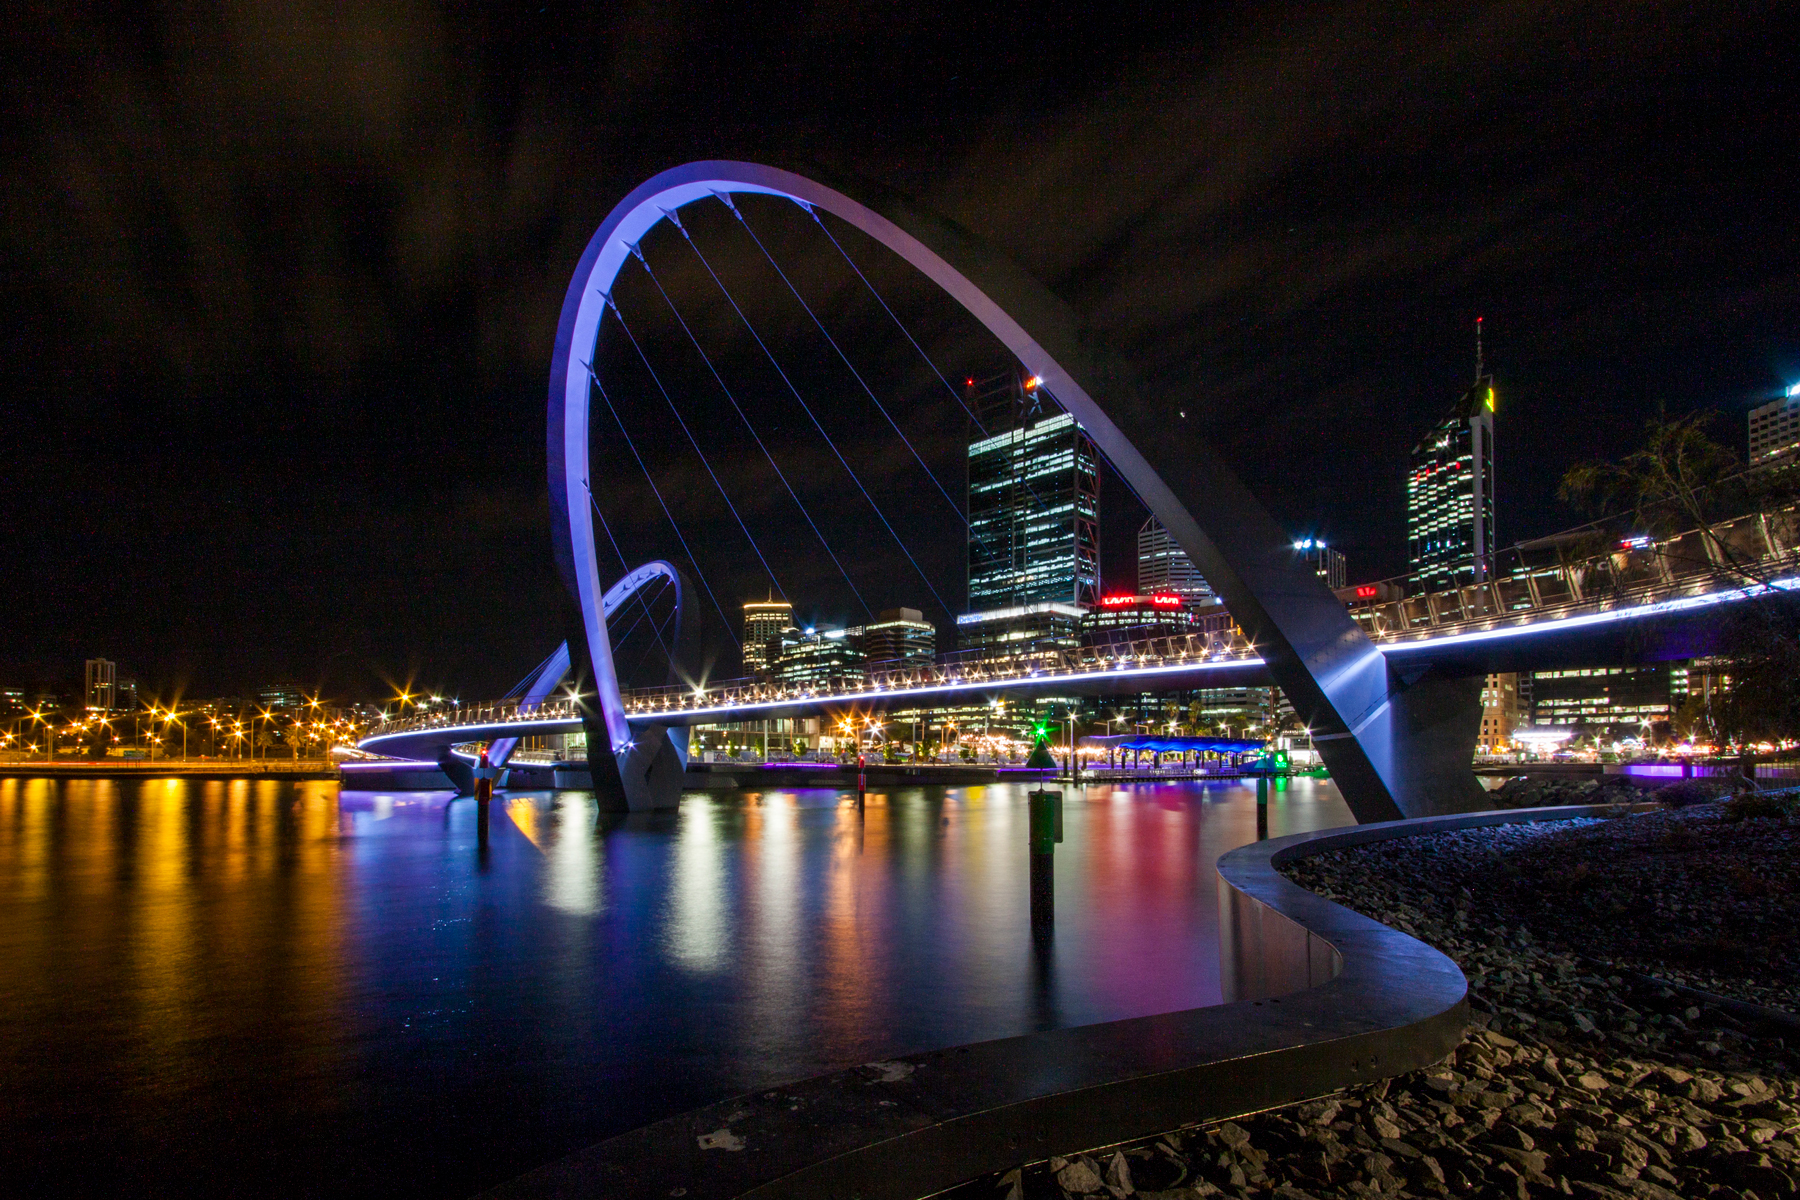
281	284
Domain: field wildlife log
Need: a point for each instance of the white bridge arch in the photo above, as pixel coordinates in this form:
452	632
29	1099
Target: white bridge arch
1396	746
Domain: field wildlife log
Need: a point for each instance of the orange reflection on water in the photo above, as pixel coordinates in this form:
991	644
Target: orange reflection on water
204	911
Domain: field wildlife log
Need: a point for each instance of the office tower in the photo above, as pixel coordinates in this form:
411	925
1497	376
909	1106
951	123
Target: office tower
1164	569
282	695
898	637
764	620
102	690
816	658
1499	713
1450	495
1620	701
1328	564
1128	618
1034	500
1000	632
1775	428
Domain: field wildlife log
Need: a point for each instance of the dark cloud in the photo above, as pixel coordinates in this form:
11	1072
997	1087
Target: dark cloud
282	282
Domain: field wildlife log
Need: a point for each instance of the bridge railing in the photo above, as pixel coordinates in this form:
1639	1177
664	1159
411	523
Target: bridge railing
1534	581
1537	580
1036	663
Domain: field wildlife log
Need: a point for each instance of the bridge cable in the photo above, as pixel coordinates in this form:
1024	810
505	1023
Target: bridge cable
855	374
657	492
636	593
682	321
981	428
692	441
795	392
658	631
655	629
954	394
521	687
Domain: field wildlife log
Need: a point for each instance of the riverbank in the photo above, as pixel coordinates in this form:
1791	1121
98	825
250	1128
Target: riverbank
124	768
1585	1072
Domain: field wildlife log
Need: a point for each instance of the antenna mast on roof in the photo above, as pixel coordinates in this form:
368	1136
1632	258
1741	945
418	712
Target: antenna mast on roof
1478	362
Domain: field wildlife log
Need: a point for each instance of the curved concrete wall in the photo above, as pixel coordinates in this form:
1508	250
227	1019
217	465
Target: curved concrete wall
1322	998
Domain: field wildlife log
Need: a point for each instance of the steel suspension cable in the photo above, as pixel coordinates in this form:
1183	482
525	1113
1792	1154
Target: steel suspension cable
624	567
855	374
742	416
694	442
657	492
806	408
643	611
900	325
813	212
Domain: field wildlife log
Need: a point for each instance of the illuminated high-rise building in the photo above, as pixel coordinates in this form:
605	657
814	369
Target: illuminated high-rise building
1164	569
1775	428
102	693
1450	495
1034	500
764	621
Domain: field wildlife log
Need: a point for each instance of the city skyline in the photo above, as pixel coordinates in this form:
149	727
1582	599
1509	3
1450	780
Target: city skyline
245	513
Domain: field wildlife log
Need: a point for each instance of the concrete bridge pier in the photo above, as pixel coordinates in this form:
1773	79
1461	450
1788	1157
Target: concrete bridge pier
460	771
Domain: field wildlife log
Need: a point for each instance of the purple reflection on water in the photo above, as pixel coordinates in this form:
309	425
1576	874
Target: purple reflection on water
259	986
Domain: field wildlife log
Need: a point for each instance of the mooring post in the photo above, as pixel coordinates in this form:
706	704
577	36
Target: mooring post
1045	830
1262	806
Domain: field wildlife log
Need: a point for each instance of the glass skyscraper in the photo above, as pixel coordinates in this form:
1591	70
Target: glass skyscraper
1034	500
1450	495
1164	569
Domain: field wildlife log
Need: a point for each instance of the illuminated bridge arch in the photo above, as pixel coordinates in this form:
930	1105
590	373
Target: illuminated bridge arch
434	743
1396	746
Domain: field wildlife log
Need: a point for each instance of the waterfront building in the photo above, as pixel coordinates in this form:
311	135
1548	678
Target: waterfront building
817	658
125	694
1499	713
1328	564
1033	498
1164	568
1450	495
1125	618
278	696
1775	428
1624	701
102	685
1022	627
764	622
897	637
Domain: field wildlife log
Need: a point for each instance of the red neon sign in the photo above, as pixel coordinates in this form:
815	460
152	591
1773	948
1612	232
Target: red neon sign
1160	600
1366	591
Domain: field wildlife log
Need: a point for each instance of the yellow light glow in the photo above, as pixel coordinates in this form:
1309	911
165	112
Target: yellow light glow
1490	399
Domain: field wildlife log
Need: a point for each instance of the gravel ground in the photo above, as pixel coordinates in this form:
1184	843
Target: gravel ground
1537	791
1579	1077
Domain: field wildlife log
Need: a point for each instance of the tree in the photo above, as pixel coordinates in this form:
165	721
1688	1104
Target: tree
1681	479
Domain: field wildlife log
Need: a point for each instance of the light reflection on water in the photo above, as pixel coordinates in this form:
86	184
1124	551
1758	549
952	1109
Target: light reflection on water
255	985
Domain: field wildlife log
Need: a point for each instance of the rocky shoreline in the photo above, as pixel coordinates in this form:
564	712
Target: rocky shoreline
1584	1074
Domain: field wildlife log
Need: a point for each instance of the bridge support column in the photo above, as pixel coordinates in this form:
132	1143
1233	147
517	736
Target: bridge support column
460	771
652	770
1418	748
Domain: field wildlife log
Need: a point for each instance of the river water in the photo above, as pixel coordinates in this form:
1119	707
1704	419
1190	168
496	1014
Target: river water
257	987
